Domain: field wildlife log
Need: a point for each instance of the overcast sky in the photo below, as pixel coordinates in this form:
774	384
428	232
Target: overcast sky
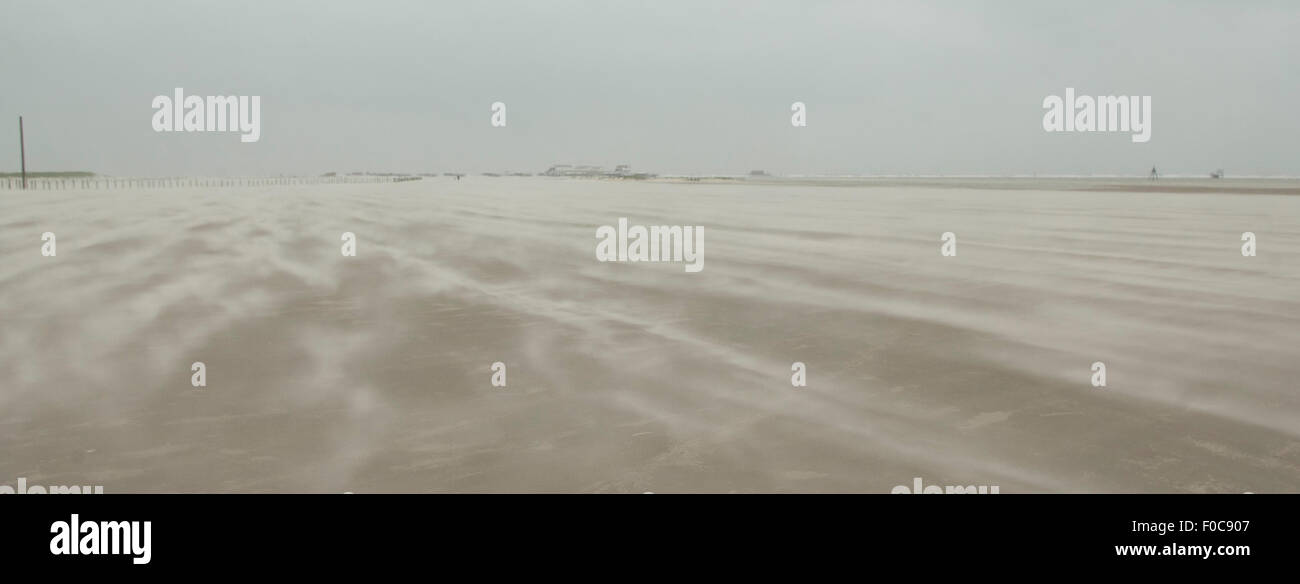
666	86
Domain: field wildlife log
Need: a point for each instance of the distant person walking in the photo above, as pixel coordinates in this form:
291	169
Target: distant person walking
1154	175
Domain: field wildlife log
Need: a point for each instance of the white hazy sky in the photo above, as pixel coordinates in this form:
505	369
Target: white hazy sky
667	86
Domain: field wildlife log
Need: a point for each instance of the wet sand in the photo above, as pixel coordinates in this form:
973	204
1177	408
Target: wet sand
368	374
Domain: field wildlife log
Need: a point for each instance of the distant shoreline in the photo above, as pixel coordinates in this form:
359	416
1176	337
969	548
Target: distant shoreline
57	174
1242	185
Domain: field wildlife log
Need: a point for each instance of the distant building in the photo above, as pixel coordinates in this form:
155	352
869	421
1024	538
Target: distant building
592	171
572	170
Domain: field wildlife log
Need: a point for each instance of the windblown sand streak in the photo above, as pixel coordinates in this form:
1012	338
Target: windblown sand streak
371	373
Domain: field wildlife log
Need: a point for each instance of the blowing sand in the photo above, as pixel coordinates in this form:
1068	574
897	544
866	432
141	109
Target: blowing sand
329	374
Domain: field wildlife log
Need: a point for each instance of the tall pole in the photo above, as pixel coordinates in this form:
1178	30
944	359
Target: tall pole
22	148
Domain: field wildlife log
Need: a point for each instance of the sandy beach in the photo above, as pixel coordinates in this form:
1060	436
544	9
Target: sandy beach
371	373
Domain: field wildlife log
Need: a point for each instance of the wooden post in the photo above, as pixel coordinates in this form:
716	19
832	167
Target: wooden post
22	149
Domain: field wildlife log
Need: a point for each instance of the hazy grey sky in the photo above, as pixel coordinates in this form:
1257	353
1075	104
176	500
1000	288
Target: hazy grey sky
667	86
